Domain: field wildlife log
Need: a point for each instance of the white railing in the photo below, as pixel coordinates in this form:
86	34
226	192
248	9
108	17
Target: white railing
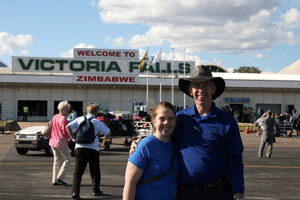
143	128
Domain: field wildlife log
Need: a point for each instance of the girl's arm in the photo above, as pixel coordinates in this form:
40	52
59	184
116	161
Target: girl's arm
132	176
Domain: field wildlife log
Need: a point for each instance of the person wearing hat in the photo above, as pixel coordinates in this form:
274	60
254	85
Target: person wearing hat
208	141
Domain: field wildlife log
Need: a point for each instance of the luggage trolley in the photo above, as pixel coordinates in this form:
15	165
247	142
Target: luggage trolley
127	129
285	128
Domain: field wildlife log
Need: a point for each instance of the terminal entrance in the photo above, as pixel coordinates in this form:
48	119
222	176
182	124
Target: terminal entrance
239	109
77	106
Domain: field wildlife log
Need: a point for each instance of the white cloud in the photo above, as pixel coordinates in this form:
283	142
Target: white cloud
237	26
10	44
26	52
119	42
230	70
258	55
269	71
291	17
116	42
179	56
93	3
69	54
215	60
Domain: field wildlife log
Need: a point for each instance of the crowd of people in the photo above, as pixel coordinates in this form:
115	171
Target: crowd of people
242	114
271	124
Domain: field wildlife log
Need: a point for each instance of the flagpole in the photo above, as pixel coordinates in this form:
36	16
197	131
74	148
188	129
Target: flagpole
184	97
160	86
147	91
172	77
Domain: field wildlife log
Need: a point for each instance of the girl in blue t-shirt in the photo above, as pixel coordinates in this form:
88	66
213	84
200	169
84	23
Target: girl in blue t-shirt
153	158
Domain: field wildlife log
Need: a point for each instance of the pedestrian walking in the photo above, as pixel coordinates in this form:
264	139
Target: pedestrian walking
85	152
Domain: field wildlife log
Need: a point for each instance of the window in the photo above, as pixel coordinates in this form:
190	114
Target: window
35	108
77	106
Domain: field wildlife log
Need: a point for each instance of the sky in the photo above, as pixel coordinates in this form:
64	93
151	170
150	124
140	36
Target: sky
230	33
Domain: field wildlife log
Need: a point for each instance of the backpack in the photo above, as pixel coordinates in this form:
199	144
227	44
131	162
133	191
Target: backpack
85	133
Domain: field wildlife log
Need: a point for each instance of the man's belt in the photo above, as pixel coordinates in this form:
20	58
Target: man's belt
203	186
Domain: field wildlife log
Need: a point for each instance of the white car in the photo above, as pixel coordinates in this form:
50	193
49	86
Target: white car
31	138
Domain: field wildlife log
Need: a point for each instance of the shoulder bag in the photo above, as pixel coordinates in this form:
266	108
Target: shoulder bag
47	129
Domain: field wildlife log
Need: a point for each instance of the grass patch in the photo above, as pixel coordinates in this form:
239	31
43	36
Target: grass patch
242	127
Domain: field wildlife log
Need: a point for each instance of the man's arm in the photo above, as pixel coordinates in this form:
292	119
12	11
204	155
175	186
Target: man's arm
234	148
71	134
134	145
265	114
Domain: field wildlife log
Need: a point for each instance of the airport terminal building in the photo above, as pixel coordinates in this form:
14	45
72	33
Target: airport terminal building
112	79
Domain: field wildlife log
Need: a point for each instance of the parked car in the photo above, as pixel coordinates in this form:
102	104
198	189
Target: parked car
31	138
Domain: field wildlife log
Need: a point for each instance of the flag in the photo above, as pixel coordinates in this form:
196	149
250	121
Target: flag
143	61
154	58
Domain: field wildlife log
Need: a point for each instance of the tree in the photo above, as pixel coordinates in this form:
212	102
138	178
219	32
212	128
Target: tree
246	69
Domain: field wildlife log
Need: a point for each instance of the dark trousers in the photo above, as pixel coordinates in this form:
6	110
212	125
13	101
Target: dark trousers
84	156
25	117
221	191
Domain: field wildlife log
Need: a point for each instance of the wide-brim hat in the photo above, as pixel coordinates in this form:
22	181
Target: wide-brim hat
201	74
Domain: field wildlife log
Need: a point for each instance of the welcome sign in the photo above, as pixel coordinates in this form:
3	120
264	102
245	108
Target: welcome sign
77	65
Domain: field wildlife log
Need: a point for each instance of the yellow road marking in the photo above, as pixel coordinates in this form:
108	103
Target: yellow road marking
279	167
248	166
52	163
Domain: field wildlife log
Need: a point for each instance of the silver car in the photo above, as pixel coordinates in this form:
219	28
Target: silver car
31	138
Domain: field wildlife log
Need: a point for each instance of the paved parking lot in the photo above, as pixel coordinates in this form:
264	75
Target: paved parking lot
29	177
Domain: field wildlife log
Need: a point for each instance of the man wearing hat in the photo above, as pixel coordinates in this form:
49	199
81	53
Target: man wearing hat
209	143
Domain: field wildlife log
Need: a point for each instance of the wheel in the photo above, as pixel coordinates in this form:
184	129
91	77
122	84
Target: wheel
22	151
106	146
49	151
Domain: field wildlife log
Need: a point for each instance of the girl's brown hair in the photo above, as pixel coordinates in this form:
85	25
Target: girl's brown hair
163	104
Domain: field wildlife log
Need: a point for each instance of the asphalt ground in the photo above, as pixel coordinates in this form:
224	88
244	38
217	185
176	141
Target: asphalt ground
29	177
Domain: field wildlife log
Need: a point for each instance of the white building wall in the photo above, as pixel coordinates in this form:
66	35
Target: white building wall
69	94
44	94
268	98
121	97
91	96
289	98
32	94
139	95
79	94
56	95
8	103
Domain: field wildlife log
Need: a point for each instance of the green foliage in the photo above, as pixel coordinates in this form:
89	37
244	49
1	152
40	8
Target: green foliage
246	69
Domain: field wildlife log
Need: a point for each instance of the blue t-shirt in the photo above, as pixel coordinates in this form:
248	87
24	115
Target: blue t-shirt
154	158
210	147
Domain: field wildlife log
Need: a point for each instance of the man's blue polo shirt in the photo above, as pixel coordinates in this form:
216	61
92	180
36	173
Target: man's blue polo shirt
210	147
